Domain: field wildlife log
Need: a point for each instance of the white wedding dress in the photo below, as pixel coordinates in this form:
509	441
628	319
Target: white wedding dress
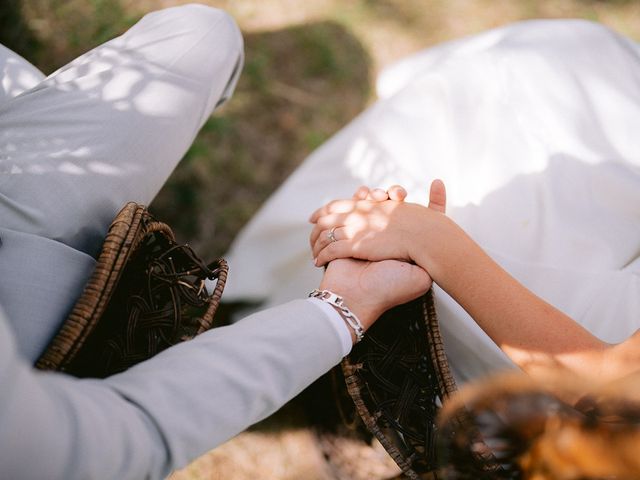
535	129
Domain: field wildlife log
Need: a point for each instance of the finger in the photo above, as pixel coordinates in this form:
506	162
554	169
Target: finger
325	238
378	195
338	220
324	223
317	213
339	249
335	206
397	193
361	193
315	234
438	196
324	210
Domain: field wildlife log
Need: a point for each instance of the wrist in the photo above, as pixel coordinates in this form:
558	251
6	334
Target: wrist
422	234
350	318
366	312
352	333
440	245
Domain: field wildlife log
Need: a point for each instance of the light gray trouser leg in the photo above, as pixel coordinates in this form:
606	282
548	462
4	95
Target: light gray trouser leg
111	126
16	75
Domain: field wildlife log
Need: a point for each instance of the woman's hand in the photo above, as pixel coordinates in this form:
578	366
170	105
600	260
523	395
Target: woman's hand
370	228
364	229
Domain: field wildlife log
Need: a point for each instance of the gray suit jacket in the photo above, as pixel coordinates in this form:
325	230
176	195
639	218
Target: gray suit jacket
156	416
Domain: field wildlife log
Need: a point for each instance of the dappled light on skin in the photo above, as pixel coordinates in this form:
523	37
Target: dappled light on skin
362	229
360	241
537	362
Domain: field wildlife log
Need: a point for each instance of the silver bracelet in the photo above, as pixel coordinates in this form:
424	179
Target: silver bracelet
348	316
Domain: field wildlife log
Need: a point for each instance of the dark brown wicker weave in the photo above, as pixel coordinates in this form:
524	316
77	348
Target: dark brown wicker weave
398	377
145	294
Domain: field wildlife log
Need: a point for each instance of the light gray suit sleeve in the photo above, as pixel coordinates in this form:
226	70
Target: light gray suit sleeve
162	413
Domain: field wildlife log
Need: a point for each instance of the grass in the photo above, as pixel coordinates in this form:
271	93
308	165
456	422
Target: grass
310	68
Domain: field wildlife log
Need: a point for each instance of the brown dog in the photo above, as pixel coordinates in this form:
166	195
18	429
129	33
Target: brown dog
560	430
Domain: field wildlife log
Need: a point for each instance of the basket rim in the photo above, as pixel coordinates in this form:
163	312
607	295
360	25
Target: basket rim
124	235
446	384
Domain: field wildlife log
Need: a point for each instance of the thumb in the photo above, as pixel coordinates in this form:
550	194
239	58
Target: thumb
438	196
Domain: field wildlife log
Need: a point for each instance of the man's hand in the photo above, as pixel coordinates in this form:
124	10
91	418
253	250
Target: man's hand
370	289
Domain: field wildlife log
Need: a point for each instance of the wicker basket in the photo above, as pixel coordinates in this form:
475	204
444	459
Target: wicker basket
398	378
145	294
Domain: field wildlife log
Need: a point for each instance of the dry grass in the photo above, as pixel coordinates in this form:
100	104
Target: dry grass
283	455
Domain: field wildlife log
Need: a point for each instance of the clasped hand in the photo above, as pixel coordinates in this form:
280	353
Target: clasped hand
369	260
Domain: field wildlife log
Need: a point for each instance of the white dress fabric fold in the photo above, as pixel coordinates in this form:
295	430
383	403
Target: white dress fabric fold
534	129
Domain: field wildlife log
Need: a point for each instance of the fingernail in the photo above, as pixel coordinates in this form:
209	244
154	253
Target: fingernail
315	261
